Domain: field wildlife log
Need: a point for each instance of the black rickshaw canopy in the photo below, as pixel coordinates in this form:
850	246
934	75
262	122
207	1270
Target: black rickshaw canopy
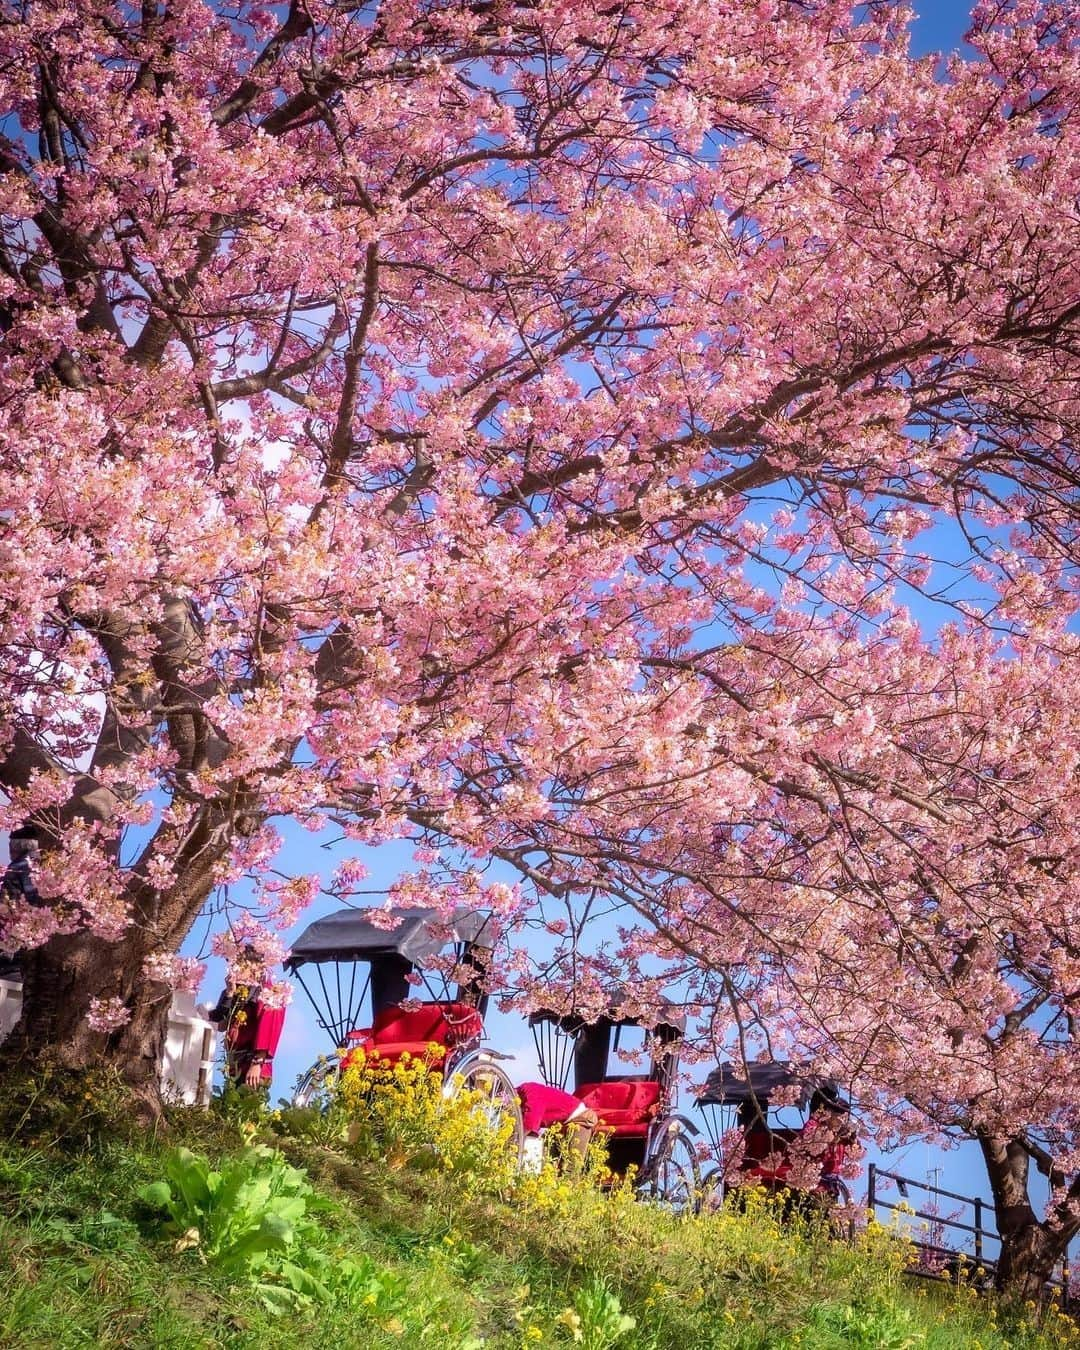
583	1042
752	1085
401	944
669	1023
416	935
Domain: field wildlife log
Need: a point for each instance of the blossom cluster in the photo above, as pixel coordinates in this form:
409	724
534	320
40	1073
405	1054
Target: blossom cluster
107	1014
252	952
180	973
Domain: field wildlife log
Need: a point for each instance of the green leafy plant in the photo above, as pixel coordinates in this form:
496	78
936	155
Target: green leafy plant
876	1326
309	1276
239	1105
465	1258
326	1126
597	1320
235	1218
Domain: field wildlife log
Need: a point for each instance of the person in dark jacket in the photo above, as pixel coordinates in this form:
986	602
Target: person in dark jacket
24	845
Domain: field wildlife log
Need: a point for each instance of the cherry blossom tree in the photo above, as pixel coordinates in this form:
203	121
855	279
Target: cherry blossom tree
891	899
527	427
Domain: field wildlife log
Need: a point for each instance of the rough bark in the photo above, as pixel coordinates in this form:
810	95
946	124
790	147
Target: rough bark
1030	1247
60	979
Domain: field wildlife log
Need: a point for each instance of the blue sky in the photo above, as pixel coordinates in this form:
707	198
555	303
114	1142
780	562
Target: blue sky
940	25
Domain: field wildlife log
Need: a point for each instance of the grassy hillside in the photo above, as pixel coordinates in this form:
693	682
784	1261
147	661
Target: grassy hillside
413	1249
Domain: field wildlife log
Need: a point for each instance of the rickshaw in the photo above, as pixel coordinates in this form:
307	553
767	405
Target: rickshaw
636	1110
358	963
741	1097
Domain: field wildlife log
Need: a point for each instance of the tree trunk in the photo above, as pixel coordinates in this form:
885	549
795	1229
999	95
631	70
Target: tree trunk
60	979
1030	1247
1026	1265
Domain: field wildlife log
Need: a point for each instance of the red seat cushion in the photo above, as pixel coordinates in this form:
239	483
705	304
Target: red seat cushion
425	1032
775	1175
445	1024
626	1106
419	1025
542	1106
624	1124
767	1156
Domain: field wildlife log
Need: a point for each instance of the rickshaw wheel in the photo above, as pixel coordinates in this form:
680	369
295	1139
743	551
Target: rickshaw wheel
841	1217
835	1201
672	1176
496	1095
714	1190
840	1191
315	1084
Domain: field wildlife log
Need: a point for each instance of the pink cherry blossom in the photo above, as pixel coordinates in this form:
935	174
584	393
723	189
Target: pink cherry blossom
631	447
181	973
107	1015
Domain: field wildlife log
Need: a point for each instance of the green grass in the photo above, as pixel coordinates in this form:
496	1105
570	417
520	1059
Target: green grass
84	1263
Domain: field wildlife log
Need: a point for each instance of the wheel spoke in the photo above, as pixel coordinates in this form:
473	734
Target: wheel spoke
313	1085
673	1174
496	1094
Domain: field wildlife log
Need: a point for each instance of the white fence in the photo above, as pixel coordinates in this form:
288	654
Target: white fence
187	1066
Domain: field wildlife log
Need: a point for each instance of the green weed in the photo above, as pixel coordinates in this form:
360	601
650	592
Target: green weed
402	1257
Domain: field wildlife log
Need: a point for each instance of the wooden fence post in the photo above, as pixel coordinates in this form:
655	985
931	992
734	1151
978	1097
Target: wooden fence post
977	1205
206	1068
